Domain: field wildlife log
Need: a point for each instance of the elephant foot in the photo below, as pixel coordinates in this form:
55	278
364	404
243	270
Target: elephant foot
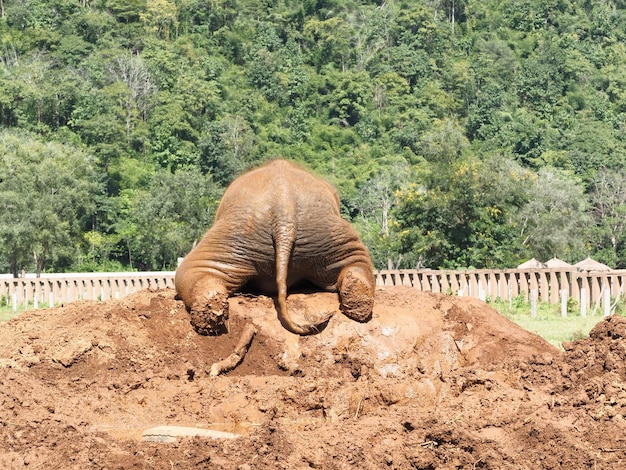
357	295
310	322
209	314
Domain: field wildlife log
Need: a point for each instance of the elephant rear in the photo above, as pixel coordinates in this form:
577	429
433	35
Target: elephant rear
276	225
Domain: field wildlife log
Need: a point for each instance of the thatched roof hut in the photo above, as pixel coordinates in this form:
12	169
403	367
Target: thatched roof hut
591	265
531	264
557	263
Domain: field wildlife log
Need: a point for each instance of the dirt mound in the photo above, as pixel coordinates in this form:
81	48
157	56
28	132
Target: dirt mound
433	381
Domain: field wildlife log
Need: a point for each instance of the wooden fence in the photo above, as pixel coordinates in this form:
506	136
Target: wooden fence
597	289
589	289
51	290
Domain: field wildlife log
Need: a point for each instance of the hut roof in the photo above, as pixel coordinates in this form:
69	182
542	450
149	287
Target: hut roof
531	263
557	263
591	265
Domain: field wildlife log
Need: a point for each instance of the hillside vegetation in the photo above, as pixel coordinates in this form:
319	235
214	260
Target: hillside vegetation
460	133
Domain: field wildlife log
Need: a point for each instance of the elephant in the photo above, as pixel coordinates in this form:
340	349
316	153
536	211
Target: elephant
276	226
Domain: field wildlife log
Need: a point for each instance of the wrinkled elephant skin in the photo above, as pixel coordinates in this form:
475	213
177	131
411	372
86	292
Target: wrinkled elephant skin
276	226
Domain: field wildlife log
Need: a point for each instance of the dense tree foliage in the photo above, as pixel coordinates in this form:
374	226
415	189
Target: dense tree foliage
459	134
48	193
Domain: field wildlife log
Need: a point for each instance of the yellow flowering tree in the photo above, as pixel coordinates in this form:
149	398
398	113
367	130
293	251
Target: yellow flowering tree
462	215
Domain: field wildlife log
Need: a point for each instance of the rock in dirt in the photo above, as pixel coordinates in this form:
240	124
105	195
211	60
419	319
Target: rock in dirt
168	434
71	352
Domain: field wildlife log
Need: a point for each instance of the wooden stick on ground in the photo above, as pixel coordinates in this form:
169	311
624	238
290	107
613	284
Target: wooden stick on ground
237	355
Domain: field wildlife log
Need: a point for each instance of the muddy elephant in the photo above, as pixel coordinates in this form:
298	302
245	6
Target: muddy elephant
276	226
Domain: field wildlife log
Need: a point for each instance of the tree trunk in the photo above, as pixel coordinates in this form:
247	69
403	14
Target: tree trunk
38	263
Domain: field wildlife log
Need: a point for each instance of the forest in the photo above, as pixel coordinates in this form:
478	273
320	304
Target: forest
459	133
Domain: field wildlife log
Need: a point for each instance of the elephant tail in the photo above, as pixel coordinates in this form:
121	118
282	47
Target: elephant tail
284	235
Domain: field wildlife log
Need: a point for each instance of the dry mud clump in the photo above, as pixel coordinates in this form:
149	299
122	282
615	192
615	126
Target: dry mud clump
432	382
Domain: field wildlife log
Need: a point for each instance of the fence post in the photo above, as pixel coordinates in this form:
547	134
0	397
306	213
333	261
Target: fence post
544	287
524	285
583	302
463	284
563	302
533	302
607	302
445	283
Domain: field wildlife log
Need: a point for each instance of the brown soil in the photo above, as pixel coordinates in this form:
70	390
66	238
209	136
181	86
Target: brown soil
432	382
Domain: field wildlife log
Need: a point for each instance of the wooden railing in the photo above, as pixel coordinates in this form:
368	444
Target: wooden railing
558	285
56	289
586	288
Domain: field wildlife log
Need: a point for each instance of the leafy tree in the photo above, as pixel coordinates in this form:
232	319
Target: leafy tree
47	196
444	143
128	11
92	25
349	96
376	201
73	49
371	32
462	215
166	219
328	41
554	219
162	17
206	17
608	209
590	145
542	78
94	119
411	63
172	138
226	148
131	88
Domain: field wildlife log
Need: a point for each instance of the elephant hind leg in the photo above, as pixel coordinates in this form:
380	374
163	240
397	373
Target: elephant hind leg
209	313
356	293
208	306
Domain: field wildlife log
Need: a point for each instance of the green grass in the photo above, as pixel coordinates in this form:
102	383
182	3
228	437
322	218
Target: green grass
6	316
549	323
7	312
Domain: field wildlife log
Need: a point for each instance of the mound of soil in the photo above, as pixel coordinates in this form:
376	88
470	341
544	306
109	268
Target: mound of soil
432	382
